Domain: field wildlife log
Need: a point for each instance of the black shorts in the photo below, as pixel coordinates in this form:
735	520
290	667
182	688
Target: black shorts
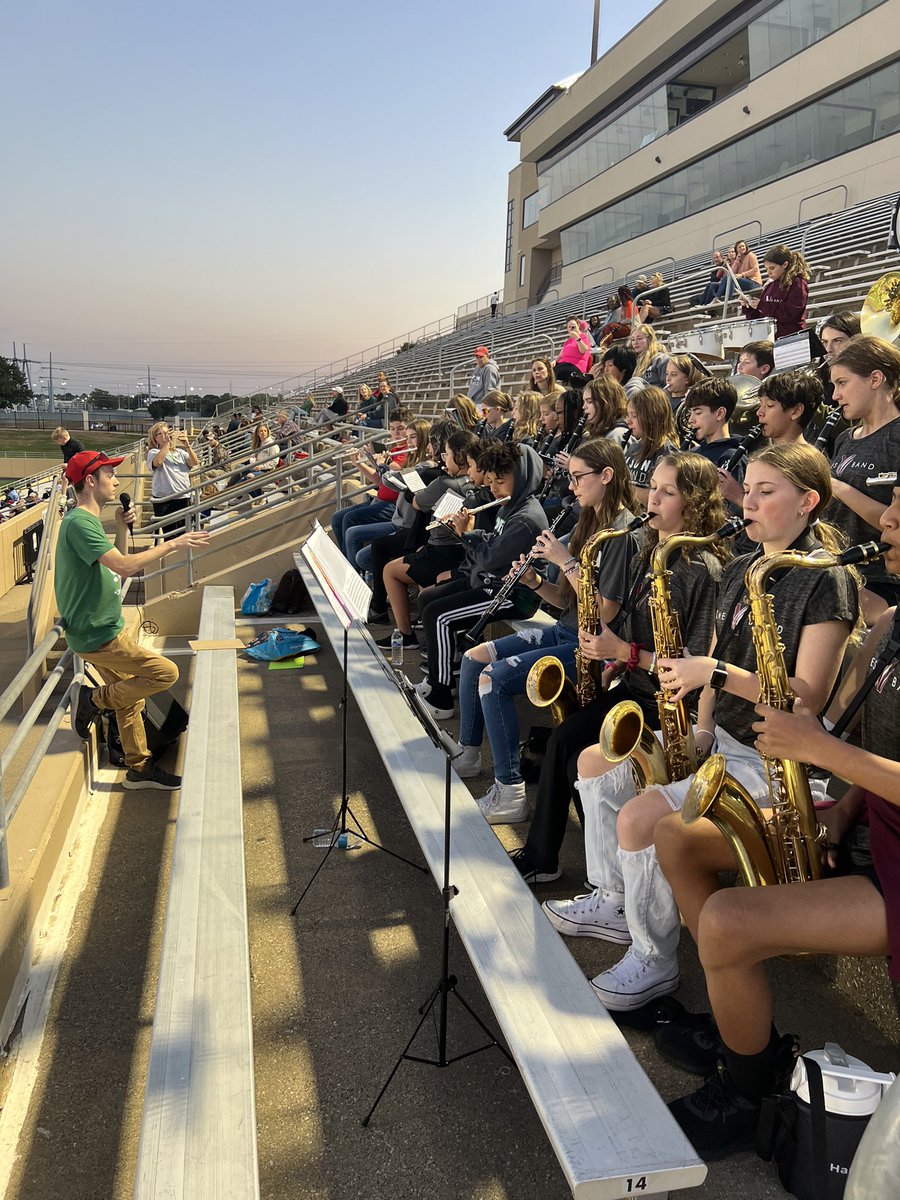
884	588
855	858
423	566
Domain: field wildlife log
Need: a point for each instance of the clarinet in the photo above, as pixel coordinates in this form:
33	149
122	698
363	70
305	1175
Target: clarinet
557	473
750	442
473	636
688	442
821	442
480	427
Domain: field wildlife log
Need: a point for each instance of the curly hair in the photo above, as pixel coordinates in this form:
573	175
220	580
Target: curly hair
500	458
597	455
704	510
784	256
529	405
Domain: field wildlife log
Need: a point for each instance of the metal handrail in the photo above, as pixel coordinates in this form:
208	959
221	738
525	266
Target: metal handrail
737	229
638	271
835	187
590	275
42	564
817	222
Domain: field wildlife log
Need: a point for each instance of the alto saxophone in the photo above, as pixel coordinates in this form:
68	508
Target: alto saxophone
786	847
547	684
624	734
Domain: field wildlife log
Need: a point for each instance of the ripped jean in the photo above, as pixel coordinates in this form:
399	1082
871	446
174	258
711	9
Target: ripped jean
487	691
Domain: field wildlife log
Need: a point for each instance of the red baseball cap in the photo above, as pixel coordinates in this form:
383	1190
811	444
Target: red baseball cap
85	462
479	350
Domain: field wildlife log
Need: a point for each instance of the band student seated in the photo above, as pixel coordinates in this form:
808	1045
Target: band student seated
494	674
457	603
86	577
711	406
619	363
379	509
652	359
683	498
854	909
785	295
651	423
756	359
786	490
866	380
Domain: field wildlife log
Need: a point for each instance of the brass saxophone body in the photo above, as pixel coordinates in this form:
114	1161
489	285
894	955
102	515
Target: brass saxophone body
624	734
787	846
546	684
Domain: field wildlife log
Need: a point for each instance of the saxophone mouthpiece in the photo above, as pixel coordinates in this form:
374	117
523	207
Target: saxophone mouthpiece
732	526
862	553
637	522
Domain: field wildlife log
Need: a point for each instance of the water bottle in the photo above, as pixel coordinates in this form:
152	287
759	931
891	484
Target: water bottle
396	648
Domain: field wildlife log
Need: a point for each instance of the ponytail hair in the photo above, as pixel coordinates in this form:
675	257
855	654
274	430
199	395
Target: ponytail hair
784	256
597	455
808	470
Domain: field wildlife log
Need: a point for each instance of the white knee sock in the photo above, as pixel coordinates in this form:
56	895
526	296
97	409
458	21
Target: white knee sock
602	798
650	907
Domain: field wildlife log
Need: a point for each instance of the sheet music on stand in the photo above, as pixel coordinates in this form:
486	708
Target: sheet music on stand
448	504
346	589
399	480
797	350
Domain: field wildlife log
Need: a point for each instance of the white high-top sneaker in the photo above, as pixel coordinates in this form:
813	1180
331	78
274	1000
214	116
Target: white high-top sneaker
504	804
467	764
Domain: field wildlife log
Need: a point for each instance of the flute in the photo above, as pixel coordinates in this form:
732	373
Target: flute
444	521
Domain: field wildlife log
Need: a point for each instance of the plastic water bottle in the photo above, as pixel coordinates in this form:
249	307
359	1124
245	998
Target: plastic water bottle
396	648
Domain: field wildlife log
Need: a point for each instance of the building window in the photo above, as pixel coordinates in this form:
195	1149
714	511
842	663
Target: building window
521	270
509	236
531	209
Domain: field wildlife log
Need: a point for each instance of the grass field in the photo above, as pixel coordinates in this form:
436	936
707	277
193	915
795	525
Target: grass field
18	442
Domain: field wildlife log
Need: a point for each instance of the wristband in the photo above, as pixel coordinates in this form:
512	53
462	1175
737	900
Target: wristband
651	670
719	676
634	655
709	731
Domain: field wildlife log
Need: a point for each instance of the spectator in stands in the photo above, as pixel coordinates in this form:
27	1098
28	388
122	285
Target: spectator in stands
494	673
576	352
526	417
710	407
366	403
853	910
756	359
595	325
715	276
651	358
498	416
235	423
620	318
464	411
658	299
87	573
171	458
511	471
650	419
619	363
335	412
543	378
485	377
287	432
745	265
379	510
866	378
256	413
263	458
31	499
785	295
682	372
12	497
68	445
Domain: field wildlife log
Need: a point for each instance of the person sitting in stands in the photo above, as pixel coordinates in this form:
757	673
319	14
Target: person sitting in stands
715	276
287	432
513	473
854	909
785	295
575	355
653	435
380	509
745	265
620	317
619	362
67	444
651	358
834	333
658	300
711	405
542	378
756	359
336	410
464	412
498	416
526	417
682	373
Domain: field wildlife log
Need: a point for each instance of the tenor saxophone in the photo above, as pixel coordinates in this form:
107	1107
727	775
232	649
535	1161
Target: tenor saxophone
787	846
624	734
547	684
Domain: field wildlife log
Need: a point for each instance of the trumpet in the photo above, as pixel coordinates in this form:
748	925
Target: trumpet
445	521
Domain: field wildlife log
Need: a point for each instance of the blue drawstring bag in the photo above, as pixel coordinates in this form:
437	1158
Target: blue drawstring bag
256	600
282	643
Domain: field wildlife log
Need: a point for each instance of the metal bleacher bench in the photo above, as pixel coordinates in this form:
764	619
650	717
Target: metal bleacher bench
607	1124
198	1130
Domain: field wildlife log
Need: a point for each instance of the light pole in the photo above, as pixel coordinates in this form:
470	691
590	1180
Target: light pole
595	33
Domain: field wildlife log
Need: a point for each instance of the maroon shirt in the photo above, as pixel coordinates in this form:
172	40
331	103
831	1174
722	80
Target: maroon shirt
787	307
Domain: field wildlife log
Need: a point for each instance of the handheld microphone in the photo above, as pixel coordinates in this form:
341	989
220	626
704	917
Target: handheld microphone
125	500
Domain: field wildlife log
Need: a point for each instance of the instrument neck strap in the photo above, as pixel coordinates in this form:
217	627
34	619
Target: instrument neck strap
888	655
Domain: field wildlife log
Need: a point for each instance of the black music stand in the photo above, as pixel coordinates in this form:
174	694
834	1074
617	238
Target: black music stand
339	828
447	984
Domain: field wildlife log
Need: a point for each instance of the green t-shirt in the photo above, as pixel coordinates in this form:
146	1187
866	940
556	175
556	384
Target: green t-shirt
87	593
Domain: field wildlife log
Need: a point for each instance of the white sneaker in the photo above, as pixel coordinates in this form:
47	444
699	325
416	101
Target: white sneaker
467	764
423	687
599	914
504	804
439	714
634	982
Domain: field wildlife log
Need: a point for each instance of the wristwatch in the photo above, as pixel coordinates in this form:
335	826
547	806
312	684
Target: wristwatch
719	677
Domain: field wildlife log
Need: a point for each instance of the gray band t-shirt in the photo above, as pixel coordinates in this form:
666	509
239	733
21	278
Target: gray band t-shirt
853	461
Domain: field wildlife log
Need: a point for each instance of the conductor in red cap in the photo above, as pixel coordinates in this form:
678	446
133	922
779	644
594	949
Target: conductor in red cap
486	377
87	577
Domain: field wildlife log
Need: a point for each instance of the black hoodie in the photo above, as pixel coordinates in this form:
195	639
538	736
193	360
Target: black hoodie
490	554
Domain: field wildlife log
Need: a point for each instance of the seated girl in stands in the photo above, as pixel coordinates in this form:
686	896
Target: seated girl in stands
576	354
619	363
785	295
443	550
494	674
745	265
620	318
854	909
571	416
497	416
513	474
651	358
684	497
866	380
346	521
604	404
549	438
786	489
652	426
543	378
682	372
526	417
464	412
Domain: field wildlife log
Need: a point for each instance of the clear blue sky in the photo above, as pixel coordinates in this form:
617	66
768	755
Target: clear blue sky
234	190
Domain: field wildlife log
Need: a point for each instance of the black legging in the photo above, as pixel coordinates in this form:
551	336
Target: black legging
383	550
165	508
559	771
444	610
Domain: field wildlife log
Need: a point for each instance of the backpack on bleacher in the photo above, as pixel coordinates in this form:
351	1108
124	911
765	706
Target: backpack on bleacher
291	595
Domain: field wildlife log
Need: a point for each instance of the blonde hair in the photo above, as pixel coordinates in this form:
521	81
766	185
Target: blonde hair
153	432
423	440
529	415
654	347
809	471
468	413
59	433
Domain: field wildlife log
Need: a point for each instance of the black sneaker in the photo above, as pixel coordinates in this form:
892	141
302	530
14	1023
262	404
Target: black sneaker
409	639
86	713
151	776
529	872
693	1044
717	1119
379	617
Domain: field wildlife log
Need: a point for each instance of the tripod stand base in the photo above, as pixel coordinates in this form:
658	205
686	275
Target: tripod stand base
442	991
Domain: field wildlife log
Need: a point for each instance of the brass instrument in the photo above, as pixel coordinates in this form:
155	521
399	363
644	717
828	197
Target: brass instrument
547	684
880	316
787	847
624	734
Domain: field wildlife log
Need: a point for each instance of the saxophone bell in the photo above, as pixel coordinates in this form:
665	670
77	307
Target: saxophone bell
547	686
625	735
719	797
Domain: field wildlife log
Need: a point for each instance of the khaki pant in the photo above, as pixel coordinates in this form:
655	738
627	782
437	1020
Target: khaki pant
130	673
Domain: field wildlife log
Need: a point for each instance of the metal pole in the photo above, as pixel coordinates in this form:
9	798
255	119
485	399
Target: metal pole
595	33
